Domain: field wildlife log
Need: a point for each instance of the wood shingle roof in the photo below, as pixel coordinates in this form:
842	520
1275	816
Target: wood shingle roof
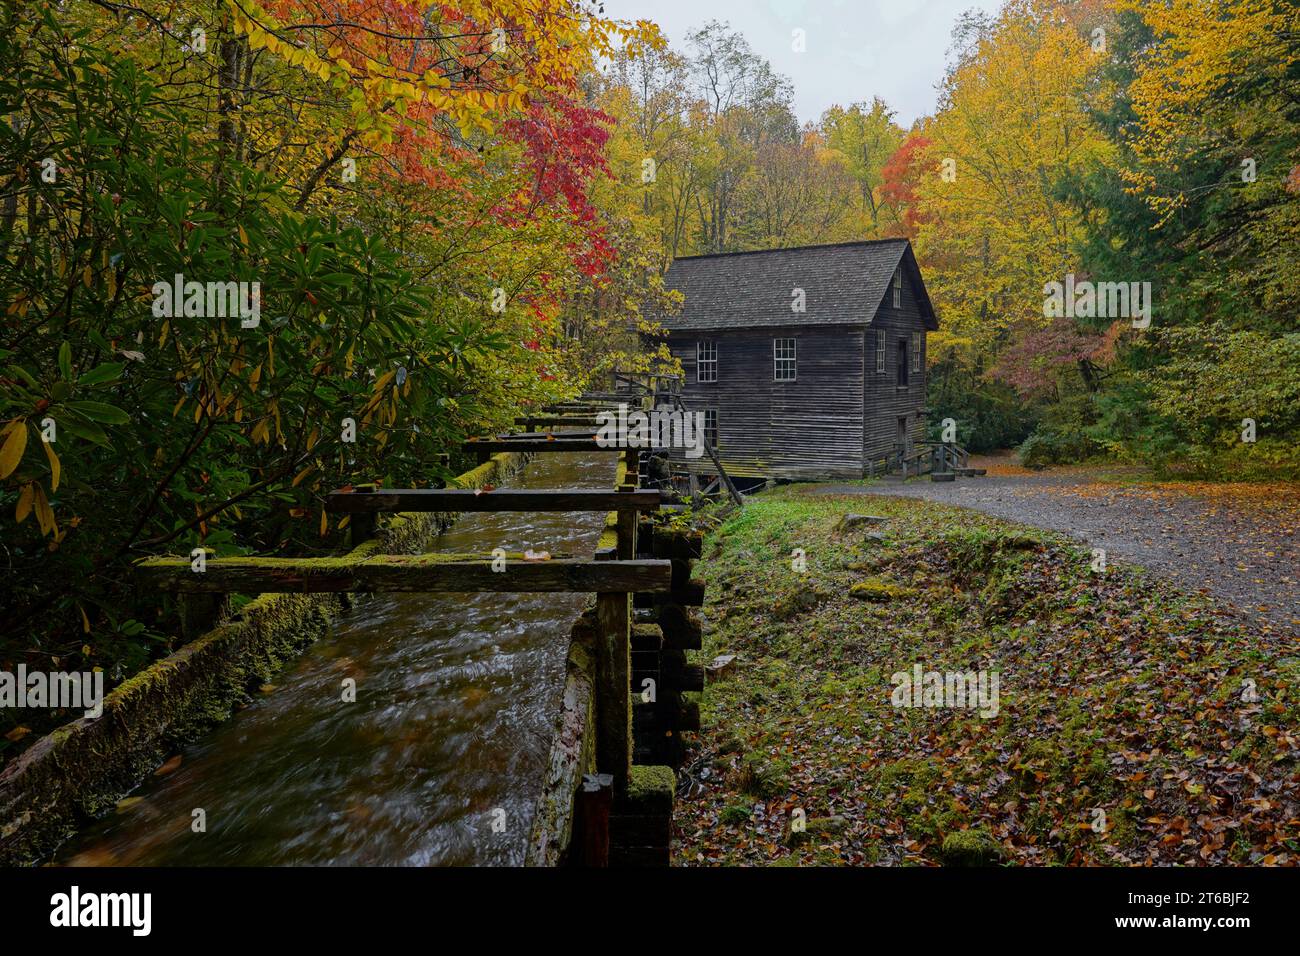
843	284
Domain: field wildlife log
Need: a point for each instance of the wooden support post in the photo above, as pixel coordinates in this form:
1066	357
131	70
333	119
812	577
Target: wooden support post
614	668
631	469
594	802
361	526
412	574
627	522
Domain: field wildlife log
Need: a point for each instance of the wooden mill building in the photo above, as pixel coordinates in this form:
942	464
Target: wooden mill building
808	363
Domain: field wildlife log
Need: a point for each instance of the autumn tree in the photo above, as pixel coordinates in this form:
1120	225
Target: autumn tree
405	192
866	137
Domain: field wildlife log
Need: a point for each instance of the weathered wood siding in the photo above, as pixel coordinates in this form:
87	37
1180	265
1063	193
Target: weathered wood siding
885	401
810	428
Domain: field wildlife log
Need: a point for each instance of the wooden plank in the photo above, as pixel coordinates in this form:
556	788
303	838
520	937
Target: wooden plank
613	678
650	443
578	408
420	574
685	717
809	428
558	421
627	397
658	376
681	630
627	531
510	499
691	595
533	444
362	527
572	757
595	800
544	436
683	545
647	637
682	677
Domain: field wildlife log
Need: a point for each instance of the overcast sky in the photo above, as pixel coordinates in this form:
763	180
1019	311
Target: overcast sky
857	49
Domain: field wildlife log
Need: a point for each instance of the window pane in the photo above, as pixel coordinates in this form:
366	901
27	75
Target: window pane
706	361
783	357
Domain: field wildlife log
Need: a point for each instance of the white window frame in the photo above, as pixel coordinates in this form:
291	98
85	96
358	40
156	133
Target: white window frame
784	359
918	339
706	360
881	339
898	287
711	431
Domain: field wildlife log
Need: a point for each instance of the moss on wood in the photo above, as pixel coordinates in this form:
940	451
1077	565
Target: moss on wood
649	790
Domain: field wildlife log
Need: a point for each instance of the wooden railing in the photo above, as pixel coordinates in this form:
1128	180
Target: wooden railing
934	457
597	708
533	422
581	816
587	812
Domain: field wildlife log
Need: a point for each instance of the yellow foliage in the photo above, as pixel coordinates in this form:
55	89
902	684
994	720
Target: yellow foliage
15	443
1011	126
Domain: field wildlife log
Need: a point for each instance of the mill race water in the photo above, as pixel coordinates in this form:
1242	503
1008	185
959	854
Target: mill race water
438	761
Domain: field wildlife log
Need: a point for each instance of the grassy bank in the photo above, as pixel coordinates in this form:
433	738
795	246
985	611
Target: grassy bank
1135	724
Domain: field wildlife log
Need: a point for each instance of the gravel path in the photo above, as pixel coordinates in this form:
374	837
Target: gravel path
1236	542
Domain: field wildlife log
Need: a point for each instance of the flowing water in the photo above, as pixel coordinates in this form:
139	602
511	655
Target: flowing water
439	760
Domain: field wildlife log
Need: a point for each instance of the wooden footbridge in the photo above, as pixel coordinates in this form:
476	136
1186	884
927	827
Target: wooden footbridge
607	797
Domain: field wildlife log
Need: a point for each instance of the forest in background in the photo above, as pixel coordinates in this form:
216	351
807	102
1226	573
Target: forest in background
1114	140
450	217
